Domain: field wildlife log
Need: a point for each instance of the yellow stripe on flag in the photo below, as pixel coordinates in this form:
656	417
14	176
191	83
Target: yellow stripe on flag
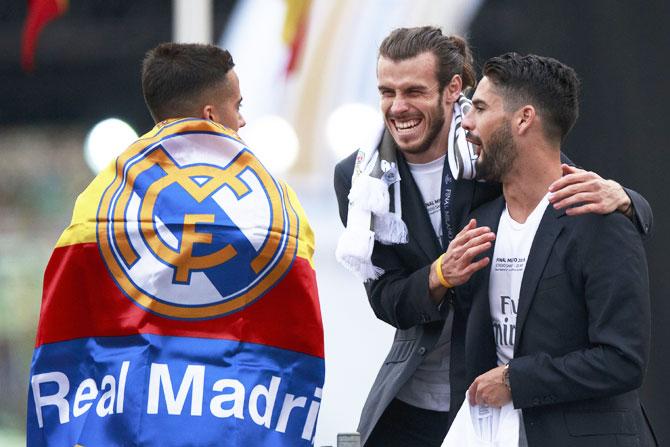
305	232
83	225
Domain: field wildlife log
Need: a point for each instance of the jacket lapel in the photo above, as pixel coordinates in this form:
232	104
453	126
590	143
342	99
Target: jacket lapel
460	201
490	217
480	341
414	213
549	229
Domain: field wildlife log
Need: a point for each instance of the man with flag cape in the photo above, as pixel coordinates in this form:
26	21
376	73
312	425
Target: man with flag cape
180	306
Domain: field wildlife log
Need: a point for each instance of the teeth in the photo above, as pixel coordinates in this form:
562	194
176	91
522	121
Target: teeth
404	125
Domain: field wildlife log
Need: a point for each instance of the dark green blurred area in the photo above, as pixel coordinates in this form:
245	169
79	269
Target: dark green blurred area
41	173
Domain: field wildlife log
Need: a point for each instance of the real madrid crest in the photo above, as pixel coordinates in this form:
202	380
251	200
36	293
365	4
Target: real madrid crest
194	227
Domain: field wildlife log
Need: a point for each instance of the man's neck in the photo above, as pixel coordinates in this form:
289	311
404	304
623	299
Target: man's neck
436	150
529	182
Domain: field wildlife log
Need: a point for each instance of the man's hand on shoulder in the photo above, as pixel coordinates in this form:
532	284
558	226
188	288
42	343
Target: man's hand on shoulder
491	388
457	264
590	192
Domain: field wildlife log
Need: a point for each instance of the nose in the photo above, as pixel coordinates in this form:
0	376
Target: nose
398	106
468	122
241	122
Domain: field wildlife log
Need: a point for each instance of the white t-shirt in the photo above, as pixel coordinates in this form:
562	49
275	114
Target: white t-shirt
512	246
428	177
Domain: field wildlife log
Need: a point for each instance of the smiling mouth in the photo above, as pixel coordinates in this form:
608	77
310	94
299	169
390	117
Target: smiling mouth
406	124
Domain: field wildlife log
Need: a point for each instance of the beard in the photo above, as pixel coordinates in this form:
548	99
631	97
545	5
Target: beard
499	155
433	132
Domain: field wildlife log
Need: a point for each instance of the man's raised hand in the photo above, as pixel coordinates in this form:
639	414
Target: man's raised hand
458	263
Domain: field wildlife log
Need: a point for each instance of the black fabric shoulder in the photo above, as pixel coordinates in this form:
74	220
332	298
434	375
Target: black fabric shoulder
342	184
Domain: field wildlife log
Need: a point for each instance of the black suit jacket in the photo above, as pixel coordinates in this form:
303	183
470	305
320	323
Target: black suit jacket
582	331
400	297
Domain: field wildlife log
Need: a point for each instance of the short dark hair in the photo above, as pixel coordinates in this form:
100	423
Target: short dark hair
452	52
175	76
549	85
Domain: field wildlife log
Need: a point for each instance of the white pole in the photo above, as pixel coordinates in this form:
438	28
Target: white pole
192	21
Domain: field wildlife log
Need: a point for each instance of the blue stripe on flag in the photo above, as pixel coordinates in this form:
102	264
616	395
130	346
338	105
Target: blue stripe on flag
171	391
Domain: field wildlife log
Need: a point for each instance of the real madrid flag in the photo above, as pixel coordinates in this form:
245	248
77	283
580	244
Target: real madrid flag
180	307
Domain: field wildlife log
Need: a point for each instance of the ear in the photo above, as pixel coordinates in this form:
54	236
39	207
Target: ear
453	89
208	113
524	119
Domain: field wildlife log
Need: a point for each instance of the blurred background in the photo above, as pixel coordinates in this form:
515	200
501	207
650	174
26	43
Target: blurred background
307	75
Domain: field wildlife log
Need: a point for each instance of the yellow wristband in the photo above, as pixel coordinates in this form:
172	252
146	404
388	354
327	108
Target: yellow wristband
440	276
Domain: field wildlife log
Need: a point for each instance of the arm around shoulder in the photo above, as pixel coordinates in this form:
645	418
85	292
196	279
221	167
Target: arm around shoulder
581	192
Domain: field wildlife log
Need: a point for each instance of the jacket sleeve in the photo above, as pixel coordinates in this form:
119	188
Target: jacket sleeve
615	285
643	217
399	297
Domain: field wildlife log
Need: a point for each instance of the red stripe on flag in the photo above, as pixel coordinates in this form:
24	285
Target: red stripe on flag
82	300
297	45
40	12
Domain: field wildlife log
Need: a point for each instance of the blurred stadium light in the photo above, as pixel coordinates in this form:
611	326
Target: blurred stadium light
105	141
273	141
353	126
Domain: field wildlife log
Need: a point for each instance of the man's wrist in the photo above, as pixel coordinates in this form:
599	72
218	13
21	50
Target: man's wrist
440	276
627	210
626	206
505	377
435	289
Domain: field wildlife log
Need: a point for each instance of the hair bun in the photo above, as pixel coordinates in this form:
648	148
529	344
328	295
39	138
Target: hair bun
459	43
469	76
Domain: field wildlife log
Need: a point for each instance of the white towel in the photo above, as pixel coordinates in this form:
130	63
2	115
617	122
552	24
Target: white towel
484	426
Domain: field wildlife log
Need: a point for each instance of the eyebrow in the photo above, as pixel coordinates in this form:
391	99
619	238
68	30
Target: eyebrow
478	102
419	87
